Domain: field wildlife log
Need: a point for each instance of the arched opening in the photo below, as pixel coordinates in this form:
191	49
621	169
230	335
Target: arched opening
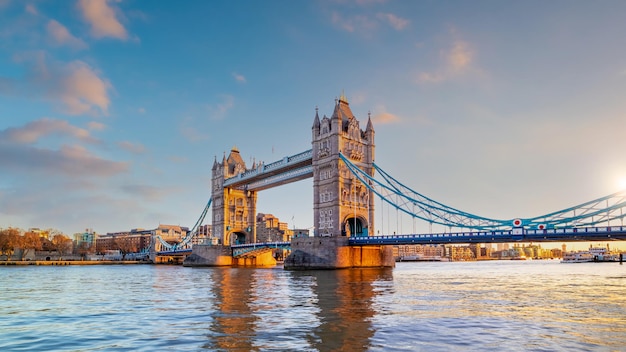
354	227
238	238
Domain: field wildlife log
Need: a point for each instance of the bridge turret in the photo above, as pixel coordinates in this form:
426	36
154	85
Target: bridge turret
316	124
342	205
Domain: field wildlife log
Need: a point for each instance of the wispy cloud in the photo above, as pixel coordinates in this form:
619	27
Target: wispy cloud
381	116
82	89
76	87
20	150
354	23
135	148
239	78
33	131
367	23
457	58
103	19
385	118
144	191
69	160
394	21
220	109
96	126
62	36
30	8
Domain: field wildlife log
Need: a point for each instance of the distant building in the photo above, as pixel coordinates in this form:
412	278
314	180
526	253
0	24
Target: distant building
204	235
270	229
85	239
133	241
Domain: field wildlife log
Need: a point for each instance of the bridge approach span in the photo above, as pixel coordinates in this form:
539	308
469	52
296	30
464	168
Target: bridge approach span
604	233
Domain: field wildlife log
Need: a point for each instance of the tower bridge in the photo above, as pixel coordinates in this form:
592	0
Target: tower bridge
346	181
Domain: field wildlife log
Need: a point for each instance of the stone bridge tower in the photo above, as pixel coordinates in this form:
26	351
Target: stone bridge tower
342	205
234	210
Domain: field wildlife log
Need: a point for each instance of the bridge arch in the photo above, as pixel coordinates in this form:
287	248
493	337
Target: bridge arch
238	237
354	226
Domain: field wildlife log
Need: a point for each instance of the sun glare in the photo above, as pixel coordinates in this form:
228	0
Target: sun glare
621	183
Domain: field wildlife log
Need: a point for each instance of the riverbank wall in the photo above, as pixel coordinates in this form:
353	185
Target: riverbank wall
70	262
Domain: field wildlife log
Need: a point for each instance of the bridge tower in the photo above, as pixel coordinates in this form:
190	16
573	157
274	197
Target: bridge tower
234	210
342	205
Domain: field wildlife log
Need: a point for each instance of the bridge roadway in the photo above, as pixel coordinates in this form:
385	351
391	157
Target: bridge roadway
605	233
580	234
289	169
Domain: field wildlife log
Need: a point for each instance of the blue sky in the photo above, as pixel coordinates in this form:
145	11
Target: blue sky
112	112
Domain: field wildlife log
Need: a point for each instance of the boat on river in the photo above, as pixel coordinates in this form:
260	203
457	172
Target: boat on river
593	254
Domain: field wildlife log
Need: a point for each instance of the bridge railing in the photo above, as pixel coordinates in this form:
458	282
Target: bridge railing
239	249
599	233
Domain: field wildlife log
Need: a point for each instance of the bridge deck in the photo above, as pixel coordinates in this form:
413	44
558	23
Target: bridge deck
289	169
607	233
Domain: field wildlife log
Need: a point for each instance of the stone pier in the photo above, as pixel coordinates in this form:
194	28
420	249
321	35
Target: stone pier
211	255
334	253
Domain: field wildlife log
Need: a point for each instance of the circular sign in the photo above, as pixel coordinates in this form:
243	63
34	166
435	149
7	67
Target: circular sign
517	222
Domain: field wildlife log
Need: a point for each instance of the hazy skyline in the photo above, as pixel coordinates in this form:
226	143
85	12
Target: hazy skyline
112	112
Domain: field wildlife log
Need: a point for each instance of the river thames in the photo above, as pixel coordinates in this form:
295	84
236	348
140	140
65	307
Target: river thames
460	306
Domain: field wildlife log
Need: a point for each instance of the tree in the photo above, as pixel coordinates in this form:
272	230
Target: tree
30	240
62	244
9	240
125	245
83	249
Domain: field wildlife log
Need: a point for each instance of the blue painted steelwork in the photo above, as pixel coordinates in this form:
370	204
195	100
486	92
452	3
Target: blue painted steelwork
241	249
604	233
182	245
599	211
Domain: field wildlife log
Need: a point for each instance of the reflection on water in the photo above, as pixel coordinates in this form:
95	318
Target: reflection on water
323	310
512	306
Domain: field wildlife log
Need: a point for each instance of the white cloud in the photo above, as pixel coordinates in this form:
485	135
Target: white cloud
356	23
33	131
103	19
385	118
458	59
82	89
394	21
96	126
135	148
219	110
150	193
69	160
30	8
239	78
61	36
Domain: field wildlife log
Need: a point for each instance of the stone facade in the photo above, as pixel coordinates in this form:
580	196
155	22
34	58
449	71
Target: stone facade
234	210
342	205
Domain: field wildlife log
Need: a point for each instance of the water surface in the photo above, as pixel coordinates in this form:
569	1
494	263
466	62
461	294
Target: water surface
469	306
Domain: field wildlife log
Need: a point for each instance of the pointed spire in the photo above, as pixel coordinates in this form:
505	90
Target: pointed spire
316	121
214	163
343	97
